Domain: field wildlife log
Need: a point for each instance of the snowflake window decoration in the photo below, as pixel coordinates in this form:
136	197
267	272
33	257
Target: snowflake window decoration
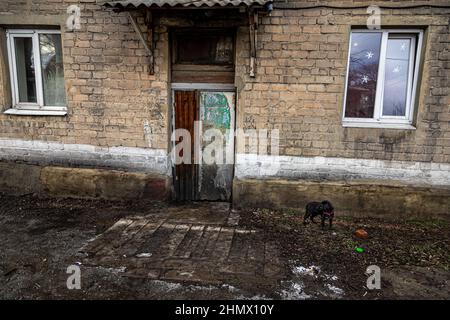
365	79
369	55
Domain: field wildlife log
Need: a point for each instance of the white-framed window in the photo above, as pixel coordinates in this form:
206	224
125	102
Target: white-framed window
381	83
36	72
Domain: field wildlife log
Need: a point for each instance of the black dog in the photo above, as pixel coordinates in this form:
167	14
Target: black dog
323	209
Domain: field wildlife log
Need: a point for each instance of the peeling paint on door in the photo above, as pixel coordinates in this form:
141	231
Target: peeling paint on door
216	109
217	112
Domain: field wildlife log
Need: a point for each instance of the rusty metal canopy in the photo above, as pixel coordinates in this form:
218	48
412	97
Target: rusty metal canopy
181	3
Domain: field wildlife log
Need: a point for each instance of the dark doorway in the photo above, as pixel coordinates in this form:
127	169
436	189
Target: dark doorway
202	73
214	110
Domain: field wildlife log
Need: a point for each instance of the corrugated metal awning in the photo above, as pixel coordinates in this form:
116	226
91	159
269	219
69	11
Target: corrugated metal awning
181	3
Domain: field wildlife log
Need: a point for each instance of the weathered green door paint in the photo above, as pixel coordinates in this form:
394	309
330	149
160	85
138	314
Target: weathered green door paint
217	122
216	109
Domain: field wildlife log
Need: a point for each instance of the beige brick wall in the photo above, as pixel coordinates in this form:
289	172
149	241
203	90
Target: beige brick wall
110	95
299	86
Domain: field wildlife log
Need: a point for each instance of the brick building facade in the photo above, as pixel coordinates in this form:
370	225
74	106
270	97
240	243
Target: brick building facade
113	135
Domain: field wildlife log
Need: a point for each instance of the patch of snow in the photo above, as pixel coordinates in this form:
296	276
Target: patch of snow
239	295
168	286
313	271
294	291
302	271
144	255
230	288
201	288
331	277
257	297
188	274
114	270
337	291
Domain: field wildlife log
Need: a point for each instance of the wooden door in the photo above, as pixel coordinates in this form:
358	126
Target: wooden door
216	113
213	110
186	174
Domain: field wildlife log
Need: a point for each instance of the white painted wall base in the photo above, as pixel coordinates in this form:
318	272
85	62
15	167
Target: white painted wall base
248	166
55	153
252	166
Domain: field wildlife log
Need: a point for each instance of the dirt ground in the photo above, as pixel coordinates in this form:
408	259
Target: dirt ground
40	238
413	255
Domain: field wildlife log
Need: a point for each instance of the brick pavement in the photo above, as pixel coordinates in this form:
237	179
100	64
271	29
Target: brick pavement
199	243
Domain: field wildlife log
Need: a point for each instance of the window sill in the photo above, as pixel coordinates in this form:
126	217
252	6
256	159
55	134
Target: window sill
23	112
379	125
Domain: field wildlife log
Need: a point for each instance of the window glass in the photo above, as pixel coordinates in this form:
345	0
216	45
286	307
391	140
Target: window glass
52	69
396	77
363	73
204	48
25	69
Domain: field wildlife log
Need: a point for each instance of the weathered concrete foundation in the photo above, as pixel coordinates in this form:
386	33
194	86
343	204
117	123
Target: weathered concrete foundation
16	178
355	198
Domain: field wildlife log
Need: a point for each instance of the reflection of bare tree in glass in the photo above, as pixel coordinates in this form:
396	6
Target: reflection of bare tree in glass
52	69
397	109
362	83
48	56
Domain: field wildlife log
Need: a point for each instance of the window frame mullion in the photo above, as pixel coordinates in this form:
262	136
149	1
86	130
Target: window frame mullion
13	68
378	108
412	81
37	70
